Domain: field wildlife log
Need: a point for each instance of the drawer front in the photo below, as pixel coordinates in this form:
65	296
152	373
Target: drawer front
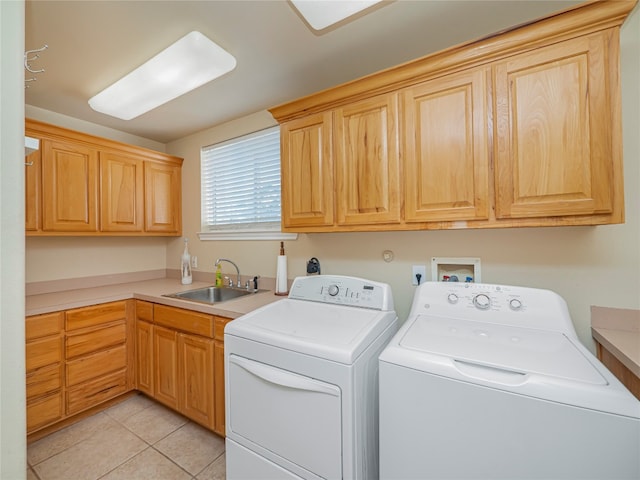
220	323
184	320
96	391
44	411
144	310
83	343
43	325
95	315
40	353
44	380
96	365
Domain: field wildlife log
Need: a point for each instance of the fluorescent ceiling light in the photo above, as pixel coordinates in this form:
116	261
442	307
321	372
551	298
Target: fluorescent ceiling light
322	13
187	64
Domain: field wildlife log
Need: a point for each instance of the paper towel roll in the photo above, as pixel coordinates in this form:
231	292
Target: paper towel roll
281	276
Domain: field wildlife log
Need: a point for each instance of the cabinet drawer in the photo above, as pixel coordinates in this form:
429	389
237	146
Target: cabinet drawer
144	311
44	411
219	325
83	343
43	352
95	392
95	315
43	325
96	365
184	320
44	380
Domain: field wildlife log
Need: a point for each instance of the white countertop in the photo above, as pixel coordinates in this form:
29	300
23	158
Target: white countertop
149	290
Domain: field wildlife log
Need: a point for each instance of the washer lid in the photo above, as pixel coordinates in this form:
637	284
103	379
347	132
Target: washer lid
516	349
333	332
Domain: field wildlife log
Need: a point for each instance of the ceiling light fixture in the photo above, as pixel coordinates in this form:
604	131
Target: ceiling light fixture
189	63
322	13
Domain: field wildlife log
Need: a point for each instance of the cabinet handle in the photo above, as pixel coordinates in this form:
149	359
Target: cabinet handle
282	377
28	164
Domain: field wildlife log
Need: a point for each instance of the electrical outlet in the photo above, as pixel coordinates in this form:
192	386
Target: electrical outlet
194	261
418	270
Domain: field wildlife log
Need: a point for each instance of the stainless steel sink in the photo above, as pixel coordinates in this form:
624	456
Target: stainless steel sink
211	295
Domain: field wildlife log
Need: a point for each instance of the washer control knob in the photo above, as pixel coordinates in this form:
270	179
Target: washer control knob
515	304
482	301
333	290
452	298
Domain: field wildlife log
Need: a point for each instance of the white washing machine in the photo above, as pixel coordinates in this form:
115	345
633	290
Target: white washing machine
491	382
302	382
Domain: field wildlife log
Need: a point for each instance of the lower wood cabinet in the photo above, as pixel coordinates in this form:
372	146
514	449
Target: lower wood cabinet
178	364
77	359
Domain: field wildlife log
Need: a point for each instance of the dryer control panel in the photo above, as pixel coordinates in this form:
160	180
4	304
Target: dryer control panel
343	290
500	304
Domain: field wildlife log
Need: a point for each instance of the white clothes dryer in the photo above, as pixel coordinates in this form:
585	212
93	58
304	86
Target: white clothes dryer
302	382
491	382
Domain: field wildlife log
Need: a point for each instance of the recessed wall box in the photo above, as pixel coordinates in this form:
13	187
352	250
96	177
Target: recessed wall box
445	269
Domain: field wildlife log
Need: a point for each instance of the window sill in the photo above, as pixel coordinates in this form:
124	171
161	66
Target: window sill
240	235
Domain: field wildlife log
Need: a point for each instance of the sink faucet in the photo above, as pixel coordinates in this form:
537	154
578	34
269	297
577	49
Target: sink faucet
239	283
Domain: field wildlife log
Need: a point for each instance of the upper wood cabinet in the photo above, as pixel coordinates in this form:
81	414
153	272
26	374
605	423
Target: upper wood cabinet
307	171
446	148
121	192
163	207
522	128
367	162
79	184
69	187
556	130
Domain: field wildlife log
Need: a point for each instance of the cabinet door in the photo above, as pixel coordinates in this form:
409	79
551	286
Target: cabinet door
144	357
165	355
307	171
219	410
33	191
196	376
446	154
554	124
367	162
121	193
162	203
69	187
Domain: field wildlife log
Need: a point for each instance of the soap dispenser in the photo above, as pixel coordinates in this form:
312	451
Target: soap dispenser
186	264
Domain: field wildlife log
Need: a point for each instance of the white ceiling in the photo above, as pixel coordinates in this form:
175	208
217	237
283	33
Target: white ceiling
93	43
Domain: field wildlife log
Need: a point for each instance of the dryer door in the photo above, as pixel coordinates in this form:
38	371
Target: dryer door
299	420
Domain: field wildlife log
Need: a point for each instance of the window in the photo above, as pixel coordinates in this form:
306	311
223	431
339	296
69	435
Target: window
241	187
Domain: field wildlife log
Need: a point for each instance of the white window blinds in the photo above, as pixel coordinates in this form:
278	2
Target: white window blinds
241	183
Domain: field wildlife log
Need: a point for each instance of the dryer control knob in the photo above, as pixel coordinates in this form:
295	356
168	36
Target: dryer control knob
452	298
482	301
333	290
515	304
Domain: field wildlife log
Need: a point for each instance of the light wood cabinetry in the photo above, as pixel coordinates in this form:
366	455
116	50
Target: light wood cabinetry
44	367
69	187
218	354
121	192
97	353
306	156
555	142
175	360
446	147
522	128
163	208
85	185
367	162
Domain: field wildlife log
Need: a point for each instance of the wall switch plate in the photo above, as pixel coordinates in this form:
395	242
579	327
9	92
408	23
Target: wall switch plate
194	262
418	270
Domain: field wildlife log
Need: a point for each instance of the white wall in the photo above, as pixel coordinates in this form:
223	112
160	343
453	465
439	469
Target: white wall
13	463
586	265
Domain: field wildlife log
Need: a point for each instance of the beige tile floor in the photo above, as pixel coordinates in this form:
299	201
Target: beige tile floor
137	439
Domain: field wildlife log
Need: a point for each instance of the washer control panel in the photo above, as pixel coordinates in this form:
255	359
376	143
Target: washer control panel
502	304
343	290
